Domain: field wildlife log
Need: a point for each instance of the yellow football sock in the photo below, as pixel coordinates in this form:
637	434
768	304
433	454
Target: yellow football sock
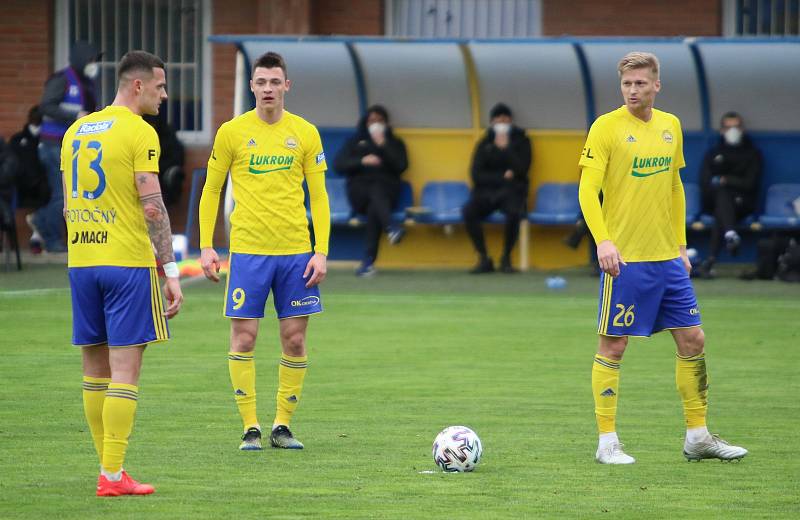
291	373
692	381
242	368
119	410
605	387
94	394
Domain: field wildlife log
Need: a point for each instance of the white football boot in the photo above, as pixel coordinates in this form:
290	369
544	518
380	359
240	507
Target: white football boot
712	447
612	453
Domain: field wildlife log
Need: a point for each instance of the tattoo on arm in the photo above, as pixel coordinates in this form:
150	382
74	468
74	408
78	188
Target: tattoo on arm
157	218
142	179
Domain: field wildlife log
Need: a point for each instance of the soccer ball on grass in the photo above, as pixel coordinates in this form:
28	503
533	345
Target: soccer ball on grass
457	449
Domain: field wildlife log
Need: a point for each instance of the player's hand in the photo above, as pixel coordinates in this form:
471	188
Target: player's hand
174	296
609	258
371	160
508	175
316	269
209	261
686	262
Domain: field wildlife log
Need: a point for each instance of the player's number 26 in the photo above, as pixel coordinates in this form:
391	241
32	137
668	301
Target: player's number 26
95	166
624	317
238	298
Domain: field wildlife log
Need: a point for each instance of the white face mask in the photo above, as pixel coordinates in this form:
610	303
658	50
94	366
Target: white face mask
91	70
733	135
376	128
34	130
501	128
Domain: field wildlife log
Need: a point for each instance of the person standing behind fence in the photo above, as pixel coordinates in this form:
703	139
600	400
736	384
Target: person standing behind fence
69	94
500	182
373	160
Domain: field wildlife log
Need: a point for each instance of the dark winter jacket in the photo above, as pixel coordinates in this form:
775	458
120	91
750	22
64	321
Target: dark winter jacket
394	160
32	188
740	165
489	163
55	88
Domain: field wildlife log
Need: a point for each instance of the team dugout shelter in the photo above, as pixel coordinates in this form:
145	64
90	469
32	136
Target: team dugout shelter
439	93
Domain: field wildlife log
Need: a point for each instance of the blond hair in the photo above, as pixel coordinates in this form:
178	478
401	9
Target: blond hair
638	60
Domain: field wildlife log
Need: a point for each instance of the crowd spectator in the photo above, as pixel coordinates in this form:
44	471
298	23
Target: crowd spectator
500	167
373	161
69	94
729	183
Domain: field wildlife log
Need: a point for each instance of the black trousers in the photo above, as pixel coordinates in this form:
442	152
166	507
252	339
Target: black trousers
374	198
728	207
483	203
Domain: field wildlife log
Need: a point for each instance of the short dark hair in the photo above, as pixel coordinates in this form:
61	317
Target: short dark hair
380	110
138	61
730	115
270	60
35	115
500	109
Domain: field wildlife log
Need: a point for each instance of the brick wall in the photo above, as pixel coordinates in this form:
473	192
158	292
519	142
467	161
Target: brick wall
632	18
363	17
26	47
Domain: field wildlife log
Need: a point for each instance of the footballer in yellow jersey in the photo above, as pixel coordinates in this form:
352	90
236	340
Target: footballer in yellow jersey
269	152
115	220
634	156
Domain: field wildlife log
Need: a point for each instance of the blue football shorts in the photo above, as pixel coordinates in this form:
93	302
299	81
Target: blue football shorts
252	277
647	297
120	306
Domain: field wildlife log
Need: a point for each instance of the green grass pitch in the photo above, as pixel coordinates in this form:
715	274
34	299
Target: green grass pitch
392	361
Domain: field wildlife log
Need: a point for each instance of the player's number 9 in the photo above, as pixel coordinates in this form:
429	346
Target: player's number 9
624	317
238	298
94	166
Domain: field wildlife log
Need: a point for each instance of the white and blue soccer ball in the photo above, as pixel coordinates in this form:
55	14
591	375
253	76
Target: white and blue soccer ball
457	449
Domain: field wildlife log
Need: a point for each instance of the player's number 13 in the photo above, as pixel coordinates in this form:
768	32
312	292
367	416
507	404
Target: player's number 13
94	165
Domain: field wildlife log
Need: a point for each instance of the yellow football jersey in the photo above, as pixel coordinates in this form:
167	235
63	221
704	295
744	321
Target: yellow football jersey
105	220
641	161
268	163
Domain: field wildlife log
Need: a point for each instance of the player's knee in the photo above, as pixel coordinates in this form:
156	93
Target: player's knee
294	343
693	342
243	341
612	347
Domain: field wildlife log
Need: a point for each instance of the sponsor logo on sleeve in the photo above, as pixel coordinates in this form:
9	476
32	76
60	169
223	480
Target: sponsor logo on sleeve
320	157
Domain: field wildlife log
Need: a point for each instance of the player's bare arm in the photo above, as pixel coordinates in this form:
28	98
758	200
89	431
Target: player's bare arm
158	227
156	216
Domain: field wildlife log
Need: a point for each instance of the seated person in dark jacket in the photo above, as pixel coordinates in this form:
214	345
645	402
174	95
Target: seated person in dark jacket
171	160
500	181
373	161
729	182
32	189
9	169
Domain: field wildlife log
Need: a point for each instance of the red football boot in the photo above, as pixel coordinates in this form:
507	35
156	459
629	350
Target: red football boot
124	486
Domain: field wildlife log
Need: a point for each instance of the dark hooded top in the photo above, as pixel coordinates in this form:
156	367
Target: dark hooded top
394	160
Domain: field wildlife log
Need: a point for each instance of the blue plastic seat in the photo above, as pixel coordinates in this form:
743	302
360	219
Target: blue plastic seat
693	206
556	204
779	211
442	202
341	211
